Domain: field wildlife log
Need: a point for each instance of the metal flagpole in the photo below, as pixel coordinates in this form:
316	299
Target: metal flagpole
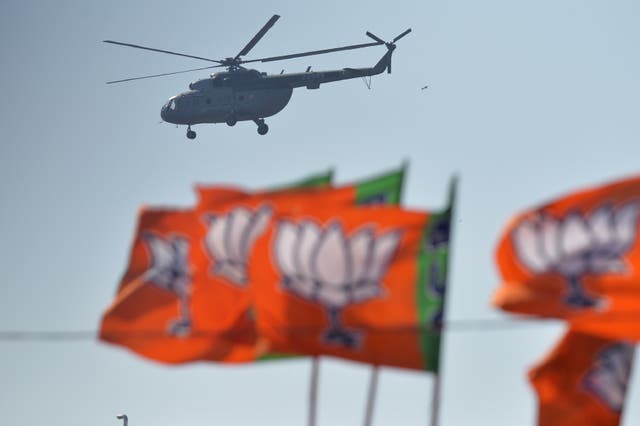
435	400
313	390
373	387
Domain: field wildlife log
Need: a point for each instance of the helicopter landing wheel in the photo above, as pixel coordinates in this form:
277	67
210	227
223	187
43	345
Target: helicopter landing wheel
231	120
190	133
263	129
262	126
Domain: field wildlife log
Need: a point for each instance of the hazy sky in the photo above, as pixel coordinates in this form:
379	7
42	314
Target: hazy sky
526	100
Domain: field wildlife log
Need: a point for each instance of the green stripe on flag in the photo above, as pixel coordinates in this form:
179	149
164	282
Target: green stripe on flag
384	189
431	286
311	181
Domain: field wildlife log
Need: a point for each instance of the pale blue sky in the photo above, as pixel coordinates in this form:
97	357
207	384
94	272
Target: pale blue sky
526	100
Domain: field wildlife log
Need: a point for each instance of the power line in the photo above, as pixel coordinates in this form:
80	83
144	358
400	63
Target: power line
463	325
44	335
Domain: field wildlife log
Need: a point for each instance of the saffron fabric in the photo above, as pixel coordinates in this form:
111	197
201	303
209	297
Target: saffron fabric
583	381
357	284
577	258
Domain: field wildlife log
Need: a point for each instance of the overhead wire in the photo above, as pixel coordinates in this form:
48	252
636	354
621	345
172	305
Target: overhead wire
462	325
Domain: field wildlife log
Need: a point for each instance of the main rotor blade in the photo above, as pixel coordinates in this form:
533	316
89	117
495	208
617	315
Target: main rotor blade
375	37
401	35
313	52
258	36
161	51
163	74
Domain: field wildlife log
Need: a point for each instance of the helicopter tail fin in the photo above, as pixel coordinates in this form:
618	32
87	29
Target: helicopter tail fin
385	61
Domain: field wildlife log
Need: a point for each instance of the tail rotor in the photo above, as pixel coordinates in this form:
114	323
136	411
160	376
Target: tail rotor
391	45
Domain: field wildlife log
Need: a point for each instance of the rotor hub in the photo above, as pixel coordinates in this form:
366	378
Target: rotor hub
232	64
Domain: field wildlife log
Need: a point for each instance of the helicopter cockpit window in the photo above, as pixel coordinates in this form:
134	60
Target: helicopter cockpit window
172	104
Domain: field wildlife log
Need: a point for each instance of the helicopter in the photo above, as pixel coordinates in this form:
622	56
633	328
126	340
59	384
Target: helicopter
242	94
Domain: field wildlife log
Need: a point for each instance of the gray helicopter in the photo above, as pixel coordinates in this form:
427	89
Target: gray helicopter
241	94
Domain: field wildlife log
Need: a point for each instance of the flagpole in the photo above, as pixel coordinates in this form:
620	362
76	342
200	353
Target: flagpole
435	400
313	390
435	396
371	399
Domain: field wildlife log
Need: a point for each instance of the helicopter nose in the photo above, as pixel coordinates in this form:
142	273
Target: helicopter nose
164	112
170	112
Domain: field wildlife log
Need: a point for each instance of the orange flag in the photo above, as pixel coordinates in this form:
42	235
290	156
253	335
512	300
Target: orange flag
227	232
184	296
230	222
583	381
353	283
577	258
153	314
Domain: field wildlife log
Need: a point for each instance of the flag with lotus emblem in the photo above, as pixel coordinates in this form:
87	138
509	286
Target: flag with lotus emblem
583	381
152	312
577	258
230	228
167	307
361	283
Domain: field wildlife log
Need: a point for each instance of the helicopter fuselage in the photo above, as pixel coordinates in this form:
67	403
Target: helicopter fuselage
242	94
223	104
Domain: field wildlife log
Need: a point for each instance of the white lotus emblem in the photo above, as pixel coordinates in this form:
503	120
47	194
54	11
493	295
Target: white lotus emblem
576	245
169	270
230	238
327	266
609	377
